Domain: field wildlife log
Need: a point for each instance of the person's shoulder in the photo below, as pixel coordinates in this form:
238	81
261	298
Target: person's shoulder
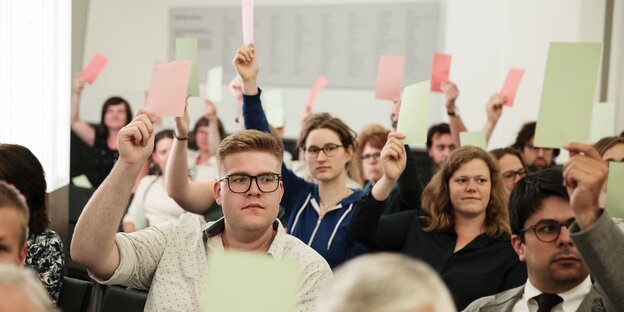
502	301
47	236
295	249
187	223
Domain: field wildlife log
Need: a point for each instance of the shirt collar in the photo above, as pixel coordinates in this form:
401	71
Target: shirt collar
212	237
572	298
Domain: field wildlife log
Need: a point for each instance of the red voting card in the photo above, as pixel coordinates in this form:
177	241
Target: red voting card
440	71
94	68
168	88
318	86
248	21
511	85
389	77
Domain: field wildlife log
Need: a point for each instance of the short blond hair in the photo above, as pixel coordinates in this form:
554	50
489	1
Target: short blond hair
11	198
249	141
385	282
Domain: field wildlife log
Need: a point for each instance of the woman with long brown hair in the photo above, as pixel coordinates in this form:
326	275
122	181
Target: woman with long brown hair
462	230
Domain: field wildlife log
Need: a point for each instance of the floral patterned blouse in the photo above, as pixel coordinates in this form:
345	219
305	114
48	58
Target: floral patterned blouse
45	256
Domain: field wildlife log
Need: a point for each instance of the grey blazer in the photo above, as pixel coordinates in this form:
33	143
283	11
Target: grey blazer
505	301
602	248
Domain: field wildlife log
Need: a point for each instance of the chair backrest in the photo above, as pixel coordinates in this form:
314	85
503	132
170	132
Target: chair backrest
120	299
75	295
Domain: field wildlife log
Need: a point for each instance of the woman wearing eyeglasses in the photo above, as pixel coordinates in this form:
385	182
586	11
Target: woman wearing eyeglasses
462	230
370	142
511	166
317	213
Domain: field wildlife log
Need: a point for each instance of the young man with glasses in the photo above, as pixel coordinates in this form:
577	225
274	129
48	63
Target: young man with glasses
542	212
170	259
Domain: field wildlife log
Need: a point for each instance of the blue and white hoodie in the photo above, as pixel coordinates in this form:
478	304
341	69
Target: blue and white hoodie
327	235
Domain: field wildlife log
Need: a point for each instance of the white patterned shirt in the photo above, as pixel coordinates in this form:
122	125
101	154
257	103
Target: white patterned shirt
170	260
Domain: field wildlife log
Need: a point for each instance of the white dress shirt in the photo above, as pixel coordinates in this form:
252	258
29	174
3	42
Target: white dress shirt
571	299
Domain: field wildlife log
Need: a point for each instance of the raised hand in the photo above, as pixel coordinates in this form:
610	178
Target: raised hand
451	92
245	62
79	82
583	177
494	107
393	157
136	140
182	123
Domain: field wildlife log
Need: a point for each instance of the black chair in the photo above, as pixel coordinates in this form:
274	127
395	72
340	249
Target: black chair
75	295
120	299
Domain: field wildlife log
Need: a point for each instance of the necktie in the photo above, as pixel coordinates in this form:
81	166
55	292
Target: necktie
545	302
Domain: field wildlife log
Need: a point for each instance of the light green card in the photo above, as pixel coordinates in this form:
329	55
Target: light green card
567	94
186	49
414	113
603	121
242	281
274	107
82	181
615	196
214	84
476	138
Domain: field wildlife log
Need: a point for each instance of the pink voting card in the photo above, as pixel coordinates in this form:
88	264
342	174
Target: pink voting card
167	92
511	85
248	21
318	86
94	68
389	77
440	71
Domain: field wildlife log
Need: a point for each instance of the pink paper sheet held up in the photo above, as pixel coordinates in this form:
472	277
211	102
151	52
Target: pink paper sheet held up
389	77
440	71
94	68
318	86
248	21
168	88
512	82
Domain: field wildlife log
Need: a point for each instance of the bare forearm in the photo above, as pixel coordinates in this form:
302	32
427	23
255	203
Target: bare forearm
176	177
457	126
250	86
488	129
214	137
75	107
381	190
93	243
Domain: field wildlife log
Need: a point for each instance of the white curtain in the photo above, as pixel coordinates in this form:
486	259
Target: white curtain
35	81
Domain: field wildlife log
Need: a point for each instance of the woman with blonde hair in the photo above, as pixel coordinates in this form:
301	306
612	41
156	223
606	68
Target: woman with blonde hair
462	230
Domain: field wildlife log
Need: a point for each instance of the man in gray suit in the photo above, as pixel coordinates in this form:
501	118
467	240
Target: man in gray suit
542	208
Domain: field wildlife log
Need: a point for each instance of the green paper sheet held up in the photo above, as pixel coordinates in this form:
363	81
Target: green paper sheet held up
414	113
615	196
568	93
475	138
243	281
186	49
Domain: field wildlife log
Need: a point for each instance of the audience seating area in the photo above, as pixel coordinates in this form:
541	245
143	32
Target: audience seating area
88	296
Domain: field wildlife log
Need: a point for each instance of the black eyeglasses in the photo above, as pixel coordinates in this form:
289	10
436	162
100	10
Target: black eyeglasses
548	230
329	150
510	175
241	183
372	156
